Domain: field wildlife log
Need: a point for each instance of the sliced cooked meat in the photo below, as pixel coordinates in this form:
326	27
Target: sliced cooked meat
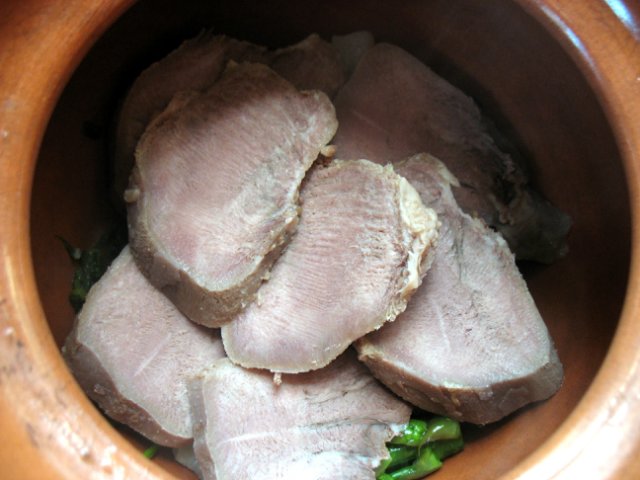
359	253
351	48
325	424
132	352
311	64
213	194
415	111
478	346
193	66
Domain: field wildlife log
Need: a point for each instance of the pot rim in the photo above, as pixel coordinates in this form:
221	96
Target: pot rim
57	431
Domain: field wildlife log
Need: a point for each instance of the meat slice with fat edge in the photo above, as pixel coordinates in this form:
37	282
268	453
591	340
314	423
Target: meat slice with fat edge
394	106
361	249
471	343
213	194
329	423
132	352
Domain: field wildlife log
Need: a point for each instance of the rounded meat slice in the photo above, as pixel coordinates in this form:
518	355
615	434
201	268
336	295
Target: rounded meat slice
479	348
326	424
360	250
213	194
133	352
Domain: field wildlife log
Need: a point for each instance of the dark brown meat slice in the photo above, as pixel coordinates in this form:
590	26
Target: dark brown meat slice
415	111
471	344
213	195
359	253
132	352
311	64
326	424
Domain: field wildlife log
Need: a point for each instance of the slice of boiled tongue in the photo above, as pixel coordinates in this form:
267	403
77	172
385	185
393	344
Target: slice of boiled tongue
471	344
326	424
194	66
361	249
311	64
213	195
394	106
132	352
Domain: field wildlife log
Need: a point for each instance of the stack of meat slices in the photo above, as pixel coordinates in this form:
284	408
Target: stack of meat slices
240	218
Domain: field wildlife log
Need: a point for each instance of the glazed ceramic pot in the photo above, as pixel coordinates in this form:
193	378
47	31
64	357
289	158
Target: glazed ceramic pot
560	79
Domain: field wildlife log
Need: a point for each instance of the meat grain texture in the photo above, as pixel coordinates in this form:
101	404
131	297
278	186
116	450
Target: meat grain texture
326	424
133	352
311	64
213	195
360	251
394	106
484	349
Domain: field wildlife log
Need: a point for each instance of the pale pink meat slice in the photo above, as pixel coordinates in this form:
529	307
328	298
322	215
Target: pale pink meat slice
194	66
326	424
361	249
213	194
471	344
311	64
133	352
394	106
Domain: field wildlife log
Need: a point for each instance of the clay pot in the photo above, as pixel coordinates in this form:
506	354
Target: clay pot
560	78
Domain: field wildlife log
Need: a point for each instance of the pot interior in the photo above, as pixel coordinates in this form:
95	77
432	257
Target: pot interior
519	75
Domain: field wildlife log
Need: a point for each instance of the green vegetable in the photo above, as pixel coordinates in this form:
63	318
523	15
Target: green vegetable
426	463
93	262
442	428
401	455
384	464
414	435
420	449
398	456
446	448
151	451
